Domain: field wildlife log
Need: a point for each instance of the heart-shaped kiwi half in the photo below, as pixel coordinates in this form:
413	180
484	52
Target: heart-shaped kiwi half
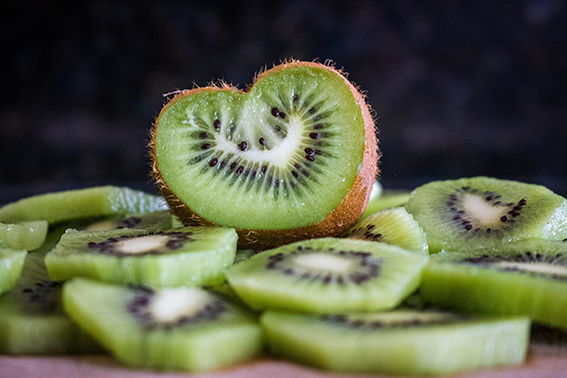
293	157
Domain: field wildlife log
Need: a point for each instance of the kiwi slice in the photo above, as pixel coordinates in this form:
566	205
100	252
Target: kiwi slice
391	226
527	277
159	220
187	256
458	215
25	235
293	158
32	319
11	264
172	329
81	203
387	199
401	342
328	275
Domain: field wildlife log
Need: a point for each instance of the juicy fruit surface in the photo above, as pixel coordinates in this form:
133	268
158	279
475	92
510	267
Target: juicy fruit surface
391	226
527	277
11	264
25	235
32	319
82	203
328	275
283	155
399	342
188	329
457	215
386	199
179	257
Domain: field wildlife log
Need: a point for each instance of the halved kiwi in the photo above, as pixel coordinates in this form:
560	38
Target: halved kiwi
400	342
478	212
328	275
188	256
293	158
32	319
171	329
81	203
527	277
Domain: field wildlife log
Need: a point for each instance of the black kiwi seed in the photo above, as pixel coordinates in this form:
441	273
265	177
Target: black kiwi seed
262	141
277	128
239	170
233	165
314	135
205	146
309	151
275	112
217	124
243	146
213	162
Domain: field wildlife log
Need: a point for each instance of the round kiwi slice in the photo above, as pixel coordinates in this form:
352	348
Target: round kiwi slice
187	256
401	342
172	329
295	157
327	275
159	220
81	203
458	215
32	319
25	235
527	277
11	264
391	226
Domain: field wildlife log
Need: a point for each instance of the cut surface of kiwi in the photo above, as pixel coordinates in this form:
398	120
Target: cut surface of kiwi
32	319
81	203
327	275
296	150
158	220
477	212
25	235
401	342
391	226
186	256
172	329
11	264
527	277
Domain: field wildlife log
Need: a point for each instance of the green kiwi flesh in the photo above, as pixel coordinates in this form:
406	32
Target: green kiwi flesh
477	212
81	203
391	226
186	256
159	220
11	264
387	199
327	275
32	320
527	277
284	154
171	329
401	342
25	235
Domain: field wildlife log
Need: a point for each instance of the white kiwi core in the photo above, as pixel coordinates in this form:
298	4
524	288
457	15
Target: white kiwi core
169	305
539	267
484	212
324	263
142	244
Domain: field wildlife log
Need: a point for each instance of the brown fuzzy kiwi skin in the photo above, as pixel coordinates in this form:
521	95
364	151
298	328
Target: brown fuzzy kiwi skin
344	216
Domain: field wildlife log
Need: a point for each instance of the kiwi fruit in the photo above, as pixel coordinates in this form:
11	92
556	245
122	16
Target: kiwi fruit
187	256
483	212
25	235
11	264
159	220
32	320
387	199
527	277
293	158
68	205
183	328
328	275
391	226
400	342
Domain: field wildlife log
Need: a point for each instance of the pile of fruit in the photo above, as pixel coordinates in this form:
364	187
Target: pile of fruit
272	236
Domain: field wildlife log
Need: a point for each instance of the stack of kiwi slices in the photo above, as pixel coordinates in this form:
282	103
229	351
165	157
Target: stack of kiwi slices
261	242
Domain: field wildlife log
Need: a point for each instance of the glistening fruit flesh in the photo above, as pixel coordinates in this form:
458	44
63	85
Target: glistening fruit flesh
293	158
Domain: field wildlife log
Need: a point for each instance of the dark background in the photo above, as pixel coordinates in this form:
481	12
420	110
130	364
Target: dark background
460	88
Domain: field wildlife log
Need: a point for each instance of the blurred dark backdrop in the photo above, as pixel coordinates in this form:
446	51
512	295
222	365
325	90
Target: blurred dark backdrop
460	88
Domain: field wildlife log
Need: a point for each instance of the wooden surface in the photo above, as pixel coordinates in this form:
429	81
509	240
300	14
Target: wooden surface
547	358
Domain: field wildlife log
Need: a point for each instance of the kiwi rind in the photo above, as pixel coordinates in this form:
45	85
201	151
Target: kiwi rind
11	264
68	205
399	274
34	323
24	235
543	213
457	280
101	310
354	346
334	223
199	262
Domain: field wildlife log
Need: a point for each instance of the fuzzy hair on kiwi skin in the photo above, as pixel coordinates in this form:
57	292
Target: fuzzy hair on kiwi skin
344	216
